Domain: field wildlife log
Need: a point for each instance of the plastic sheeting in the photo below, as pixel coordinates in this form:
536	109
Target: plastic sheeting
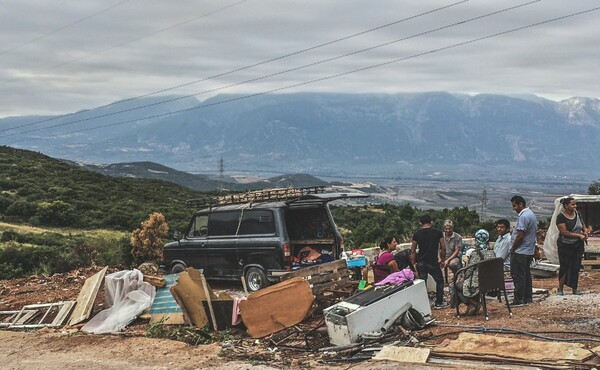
550	247
126	296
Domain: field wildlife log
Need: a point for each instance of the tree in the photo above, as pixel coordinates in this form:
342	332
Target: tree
146	242
594	188
56	213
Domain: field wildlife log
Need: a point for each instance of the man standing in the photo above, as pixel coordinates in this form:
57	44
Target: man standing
502	246
523	239
430	242
452	245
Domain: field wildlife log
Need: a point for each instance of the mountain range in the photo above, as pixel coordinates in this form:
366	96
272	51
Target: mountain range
325	134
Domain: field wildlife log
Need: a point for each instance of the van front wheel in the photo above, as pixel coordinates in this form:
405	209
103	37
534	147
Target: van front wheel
256	279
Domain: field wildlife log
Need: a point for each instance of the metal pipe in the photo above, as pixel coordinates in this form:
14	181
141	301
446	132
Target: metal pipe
407	306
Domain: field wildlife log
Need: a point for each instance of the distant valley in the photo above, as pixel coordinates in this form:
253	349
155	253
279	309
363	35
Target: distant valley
489	199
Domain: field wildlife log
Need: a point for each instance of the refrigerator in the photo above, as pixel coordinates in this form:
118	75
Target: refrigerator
369	310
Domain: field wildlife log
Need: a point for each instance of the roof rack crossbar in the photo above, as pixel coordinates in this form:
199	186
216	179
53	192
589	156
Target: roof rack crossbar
277	194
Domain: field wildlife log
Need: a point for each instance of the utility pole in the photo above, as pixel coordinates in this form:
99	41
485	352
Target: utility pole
483	203
221	175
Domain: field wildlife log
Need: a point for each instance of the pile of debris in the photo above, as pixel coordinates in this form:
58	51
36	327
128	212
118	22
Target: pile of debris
316	314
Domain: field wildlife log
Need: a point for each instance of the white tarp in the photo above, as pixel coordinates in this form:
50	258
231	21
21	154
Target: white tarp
126	296
550	247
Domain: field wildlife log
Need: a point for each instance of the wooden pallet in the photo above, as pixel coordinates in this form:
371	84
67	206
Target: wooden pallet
326	276
590	264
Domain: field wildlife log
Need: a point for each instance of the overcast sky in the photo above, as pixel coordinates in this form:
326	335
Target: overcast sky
64	56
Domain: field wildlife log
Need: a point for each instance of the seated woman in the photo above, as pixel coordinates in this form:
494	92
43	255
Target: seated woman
467	283
385	263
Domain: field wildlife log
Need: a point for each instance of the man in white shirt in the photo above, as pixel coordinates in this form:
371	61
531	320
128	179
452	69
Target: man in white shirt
502	246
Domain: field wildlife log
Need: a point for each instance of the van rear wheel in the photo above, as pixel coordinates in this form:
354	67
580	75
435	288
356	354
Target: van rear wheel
178	267
256	279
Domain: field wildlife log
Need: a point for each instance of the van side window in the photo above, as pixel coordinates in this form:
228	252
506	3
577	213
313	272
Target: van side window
256	222
199	227
223	223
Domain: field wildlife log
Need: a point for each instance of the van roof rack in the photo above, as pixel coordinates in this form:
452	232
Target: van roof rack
265	195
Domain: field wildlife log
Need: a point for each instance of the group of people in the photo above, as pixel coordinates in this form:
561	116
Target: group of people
433	250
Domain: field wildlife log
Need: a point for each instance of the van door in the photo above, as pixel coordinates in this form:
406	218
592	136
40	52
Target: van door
223	227
258	242
193	247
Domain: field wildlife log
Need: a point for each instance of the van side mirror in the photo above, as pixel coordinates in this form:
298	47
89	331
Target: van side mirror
176	235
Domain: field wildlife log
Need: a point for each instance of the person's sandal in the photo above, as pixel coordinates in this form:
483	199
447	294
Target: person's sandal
577	292
560	292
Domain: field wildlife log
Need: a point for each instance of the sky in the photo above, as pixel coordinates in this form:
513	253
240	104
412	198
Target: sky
58	57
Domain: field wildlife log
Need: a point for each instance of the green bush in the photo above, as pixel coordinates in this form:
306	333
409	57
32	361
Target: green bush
55	213
23	254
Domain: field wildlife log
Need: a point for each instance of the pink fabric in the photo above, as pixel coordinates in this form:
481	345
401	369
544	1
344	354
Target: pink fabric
236	317
398	278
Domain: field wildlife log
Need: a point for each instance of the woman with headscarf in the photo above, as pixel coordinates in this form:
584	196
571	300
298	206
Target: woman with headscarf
467	285
570	245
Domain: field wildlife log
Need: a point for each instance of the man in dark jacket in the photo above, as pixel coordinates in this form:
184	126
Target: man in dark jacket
427	260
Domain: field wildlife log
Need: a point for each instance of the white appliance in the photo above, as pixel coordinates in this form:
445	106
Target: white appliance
369	310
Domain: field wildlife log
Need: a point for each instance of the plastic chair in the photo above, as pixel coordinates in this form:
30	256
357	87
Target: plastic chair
491	278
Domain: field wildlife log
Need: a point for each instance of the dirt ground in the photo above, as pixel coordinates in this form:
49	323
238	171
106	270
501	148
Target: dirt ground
566	316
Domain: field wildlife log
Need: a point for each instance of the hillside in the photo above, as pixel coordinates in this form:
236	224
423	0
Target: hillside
151	170
37	189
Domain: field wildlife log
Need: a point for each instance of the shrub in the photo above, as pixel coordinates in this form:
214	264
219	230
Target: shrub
146	242
21	208
56	213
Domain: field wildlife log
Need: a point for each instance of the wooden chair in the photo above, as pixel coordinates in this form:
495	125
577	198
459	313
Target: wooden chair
491	278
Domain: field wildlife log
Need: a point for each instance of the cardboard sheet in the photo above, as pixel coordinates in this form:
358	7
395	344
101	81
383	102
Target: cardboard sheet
276	307
189	293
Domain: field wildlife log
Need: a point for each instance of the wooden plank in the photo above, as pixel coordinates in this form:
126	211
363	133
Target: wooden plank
590	262
63	313
86	297
155	281
317	269
312	241
334	285
325	278
524	349
403	354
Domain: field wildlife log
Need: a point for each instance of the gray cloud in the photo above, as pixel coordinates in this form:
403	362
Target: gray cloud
165	44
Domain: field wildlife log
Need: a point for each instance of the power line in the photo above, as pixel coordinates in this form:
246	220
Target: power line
273	74
343	73
237	69
35	39
129	42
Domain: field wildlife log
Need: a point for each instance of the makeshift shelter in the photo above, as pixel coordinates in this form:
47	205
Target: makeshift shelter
589	208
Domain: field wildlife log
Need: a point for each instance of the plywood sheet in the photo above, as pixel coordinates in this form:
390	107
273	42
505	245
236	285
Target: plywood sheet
403	354
531	350
86	297
276	307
